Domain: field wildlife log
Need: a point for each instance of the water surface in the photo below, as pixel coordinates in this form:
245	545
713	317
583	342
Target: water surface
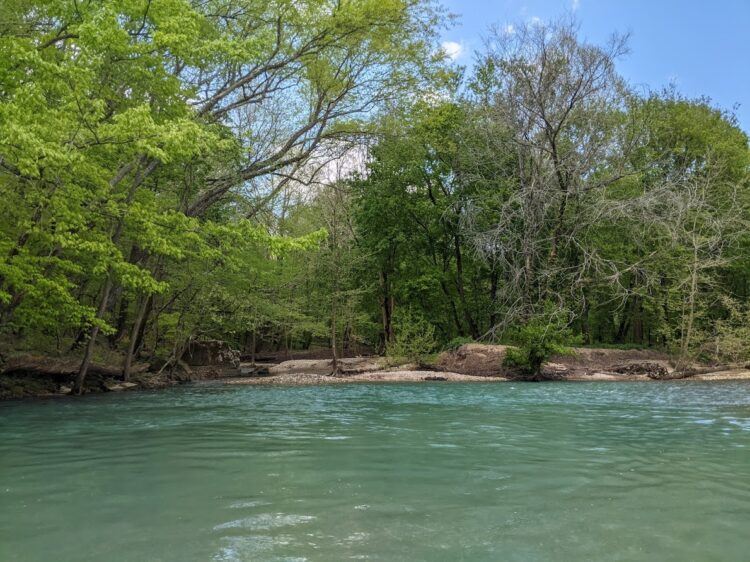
593	471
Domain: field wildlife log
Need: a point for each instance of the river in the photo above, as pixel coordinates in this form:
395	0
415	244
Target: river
588	471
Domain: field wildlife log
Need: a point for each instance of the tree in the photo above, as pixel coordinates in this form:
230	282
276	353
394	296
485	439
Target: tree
562	103
410	211
123	116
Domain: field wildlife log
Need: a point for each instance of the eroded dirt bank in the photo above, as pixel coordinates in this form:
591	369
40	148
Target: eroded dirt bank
27	376
484	363
36	376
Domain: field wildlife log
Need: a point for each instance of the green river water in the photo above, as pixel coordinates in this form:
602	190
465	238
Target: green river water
590	471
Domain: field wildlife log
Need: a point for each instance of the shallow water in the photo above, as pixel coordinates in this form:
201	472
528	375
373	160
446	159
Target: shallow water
592	471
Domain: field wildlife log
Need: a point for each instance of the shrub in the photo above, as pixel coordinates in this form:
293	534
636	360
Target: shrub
537	341
413	336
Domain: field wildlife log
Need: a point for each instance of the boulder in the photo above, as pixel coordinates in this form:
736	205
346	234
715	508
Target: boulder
211	353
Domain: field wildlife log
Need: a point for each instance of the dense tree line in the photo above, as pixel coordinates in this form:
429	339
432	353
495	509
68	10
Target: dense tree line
544	191
136	136
291	174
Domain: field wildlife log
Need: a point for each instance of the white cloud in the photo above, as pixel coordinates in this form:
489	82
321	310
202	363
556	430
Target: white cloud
575	4
452	49
509	29
535	20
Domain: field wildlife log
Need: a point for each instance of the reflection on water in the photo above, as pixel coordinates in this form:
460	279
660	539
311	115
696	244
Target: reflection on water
381	472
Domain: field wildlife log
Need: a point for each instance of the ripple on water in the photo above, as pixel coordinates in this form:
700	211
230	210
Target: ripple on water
248	504
265	521
473	472
742	423
240	549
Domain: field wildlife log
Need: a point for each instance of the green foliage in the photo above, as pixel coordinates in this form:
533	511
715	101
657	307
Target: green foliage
129	168
408	216
413	336
535	342
146	151
731	340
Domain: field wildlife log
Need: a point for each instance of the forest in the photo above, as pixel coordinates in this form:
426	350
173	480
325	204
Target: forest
318	174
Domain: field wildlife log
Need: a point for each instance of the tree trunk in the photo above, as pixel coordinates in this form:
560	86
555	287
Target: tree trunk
144	324
687	333
638	321
346	342
252	349
494	279
473	329
622	329
134	338
115	238
454	308
585	322
665	309
335	359
81	377
563	183
122	317
386	307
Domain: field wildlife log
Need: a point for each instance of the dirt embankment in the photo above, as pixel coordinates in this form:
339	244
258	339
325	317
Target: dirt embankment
26	376
591	364
484	363
355	369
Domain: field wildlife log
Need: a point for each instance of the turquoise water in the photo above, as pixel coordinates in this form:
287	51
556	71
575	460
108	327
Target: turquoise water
594	471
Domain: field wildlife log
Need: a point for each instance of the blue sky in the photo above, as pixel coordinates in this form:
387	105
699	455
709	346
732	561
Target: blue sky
701	46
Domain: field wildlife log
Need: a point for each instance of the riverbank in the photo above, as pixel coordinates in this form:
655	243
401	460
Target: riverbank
302	379
308	379
484	363
37	376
